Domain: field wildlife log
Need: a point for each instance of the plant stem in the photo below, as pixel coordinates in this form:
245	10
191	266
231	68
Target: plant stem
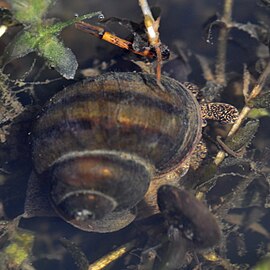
254	93
111	256
222	42
145	9
57	27
152	32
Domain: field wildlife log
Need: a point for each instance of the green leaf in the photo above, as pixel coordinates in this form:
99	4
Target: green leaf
243	136
19	248
58	56
264	264
24	43
258	113
42	38
57	27
29	11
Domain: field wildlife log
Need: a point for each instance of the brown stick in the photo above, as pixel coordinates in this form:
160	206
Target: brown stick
152	32
222	43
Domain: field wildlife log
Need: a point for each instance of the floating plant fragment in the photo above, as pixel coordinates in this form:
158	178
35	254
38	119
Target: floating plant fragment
40	37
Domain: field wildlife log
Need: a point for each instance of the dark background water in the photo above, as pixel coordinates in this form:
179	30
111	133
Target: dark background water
181	27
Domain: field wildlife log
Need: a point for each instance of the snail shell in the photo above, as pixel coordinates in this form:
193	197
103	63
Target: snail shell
100	142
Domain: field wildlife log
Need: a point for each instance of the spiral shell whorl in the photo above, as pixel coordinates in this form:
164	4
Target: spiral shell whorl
97	182
100	142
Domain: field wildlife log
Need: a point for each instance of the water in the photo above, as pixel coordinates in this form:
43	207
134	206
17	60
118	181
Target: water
182	31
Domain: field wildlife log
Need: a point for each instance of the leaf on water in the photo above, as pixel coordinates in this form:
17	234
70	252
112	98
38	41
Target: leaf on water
20	46
58	56
29	11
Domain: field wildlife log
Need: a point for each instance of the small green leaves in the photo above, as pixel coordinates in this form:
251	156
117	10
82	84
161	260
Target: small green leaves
18	250
59	57
29	11
24	43
42	38
260	106
243	136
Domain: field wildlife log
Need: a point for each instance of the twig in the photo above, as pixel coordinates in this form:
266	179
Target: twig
111	257
207	72
254	93
222	43
152	32
246	83
3	30
228	150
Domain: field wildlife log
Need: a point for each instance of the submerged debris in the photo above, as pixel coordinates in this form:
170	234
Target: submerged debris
10	107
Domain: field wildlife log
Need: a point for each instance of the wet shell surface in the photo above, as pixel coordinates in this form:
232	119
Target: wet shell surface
98	143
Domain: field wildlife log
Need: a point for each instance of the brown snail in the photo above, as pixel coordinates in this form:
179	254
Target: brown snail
98	144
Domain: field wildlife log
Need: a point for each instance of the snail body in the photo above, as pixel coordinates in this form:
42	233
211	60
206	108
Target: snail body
99	143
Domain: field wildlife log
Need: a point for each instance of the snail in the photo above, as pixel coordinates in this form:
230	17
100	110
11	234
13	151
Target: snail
103	145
